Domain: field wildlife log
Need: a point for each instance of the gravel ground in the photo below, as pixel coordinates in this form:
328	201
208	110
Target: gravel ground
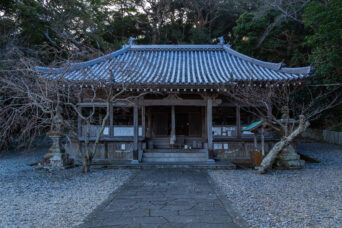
30	198
311	197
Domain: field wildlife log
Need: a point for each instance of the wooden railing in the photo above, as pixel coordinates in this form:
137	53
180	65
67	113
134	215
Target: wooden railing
230	131
118	130
332	137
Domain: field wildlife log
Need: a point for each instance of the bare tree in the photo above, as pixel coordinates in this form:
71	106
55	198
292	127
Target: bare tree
285	108
106	91
28	103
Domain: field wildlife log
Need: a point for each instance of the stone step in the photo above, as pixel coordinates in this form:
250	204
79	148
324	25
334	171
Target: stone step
173	159
176	151
153	165
174	155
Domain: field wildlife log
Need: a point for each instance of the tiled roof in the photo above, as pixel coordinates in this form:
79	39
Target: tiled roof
176	65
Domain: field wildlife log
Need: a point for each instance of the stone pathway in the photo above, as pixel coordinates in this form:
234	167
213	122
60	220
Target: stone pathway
166	198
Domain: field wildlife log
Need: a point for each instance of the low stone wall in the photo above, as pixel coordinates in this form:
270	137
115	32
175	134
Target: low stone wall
110	151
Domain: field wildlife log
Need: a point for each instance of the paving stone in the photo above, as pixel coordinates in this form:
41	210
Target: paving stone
164	198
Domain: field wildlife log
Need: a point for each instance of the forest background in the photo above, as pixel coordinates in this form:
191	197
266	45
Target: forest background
295	32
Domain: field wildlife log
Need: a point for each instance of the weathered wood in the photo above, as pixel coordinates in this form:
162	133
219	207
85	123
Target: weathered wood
263	140
238	122
143	121
228	104
111	121
101	104
173	126
178	102
156	102
136	132
112	139
209	126
204	121
255	142
149	124
79	122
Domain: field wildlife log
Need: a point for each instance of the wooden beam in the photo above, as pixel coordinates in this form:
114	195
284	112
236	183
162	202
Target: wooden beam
209	126
101	104
136	132
157	102
228	104
178	102
238	121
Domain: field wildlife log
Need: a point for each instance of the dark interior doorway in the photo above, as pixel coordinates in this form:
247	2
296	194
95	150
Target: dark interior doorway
188	121
182	124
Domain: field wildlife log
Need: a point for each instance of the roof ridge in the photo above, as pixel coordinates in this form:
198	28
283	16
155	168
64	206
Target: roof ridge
176	46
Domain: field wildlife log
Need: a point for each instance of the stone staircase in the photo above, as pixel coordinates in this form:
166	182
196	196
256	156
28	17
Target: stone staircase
175	155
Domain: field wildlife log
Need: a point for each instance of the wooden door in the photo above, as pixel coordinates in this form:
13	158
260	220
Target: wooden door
160	124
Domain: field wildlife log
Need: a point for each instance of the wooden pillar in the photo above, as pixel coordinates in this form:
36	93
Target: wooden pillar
204	122
136	133
209	126
111	121
238	122
263	140
143	122
79	122
149	123
255	141
173	126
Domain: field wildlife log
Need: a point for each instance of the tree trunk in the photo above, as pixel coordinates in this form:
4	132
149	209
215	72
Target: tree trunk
86	162
268	161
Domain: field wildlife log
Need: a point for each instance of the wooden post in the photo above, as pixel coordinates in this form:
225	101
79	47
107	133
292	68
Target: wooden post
136	134
149	123
111	121
204	122
173	126
238	122
255	141
79	122
143	122
263	140
209	126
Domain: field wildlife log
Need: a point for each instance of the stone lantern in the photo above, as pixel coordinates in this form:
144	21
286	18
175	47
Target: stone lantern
56	158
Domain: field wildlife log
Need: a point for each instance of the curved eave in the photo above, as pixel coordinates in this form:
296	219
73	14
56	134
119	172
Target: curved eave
267	71
77	66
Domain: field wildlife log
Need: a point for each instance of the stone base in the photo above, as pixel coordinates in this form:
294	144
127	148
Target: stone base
289	159
54	161
56	158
